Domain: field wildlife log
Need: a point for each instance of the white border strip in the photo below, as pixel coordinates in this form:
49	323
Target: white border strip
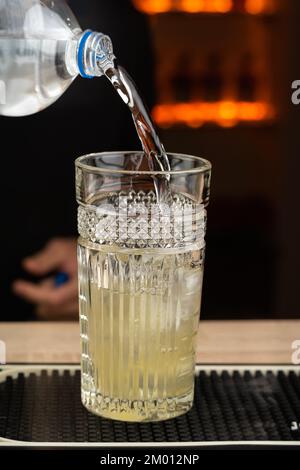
108	445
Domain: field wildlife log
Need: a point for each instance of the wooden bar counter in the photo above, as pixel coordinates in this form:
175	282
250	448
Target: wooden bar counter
218	342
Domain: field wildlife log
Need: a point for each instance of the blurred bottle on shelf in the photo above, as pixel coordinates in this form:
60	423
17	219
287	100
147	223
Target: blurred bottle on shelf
182	79
246	79
212	81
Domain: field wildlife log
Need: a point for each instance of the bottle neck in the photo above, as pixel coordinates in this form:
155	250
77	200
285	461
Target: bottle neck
94	54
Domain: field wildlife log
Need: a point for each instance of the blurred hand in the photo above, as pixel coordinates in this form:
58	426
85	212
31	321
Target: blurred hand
52	302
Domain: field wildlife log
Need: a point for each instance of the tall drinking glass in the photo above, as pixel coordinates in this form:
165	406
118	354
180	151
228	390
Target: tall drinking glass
140	280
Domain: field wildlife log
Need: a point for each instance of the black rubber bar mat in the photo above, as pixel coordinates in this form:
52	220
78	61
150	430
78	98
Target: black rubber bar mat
235	405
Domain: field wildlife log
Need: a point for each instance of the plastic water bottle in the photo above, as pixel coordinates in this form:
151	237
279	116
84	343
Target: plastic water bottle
42	50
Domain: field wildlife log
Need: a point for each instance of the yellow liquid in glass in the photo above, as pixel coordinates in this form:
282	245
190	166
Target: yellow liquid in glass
139	313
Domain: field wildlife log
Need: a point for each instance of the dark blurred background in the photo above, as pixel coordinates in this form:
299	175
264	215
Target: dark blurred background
232	63
218	75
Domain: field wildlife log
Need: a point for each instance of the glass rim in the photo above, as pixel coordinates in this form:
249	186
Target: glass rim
204	165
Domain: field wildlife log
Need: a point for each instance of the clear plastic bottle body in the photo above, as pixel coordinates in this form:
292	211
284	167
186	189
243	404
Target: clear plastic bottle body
39	44
34	39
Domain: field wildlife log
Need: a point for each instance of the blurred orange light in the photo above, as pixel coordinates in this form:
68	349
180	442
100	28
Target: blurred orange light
223	113
254	7
188	6
228	111
191	6
227	123
153	6
221	6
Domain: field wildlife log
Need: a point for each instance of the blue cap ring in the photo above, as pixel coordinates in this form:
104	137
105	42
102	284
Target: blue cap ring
80	54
